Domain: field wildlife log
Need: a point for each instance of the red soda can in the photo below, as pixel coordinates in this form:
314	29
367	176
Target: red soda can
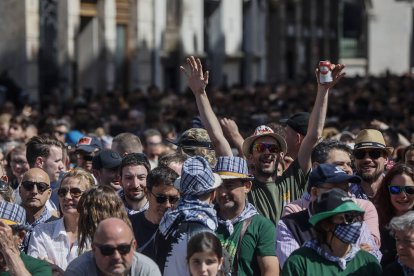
325	72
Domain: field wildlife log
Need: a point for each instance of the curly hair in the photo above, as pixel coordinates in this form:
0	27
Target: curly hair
384	205
95	205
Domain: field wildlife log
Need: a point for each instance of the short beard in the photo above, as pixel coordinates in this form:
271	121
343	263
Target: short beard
265	174
370	178
136	199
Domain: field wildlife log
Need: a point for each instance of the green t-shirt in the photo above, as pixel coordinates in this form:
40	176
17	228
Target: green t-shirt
306	261
258	240
34	266
270	198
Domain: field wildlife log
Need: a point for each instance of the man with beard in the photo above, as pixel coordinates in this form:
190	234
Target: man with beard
105	168
264	149
371	155
161	196
134	170
247	236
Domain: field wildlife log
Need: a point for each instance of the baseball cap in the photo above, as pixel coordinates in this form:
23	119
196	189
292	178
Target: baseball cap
298	122
197	178
331	203
329	173
107	159
88	144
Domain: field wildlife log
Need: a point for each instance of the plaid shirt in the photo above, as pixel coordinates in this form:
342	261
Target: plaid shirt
357	191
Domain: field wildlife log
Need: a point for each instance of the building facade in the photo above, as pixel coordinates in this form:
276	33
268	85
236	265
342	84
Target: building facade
87	47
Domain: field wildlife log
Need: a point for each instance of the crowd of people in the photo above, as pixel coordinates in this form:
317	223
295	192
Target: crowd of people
112	189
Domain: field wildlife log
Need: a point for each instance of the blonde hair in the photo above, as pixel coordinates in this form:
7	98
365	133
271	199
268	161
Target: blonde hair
83	176
95	205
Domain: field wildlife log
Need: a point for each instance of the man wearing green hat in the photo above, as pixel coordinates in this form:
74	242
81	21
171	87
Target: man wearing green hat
336	225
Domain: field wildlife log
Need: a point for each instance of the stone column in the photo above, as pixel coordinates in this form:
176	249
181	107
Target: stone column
191	32
107	42
142	43
69	17
19	45
32	47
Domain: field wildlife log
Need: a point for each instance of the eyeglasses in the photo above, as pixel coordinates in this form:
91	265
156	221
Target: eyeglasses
60	133
109	250
87	157
395	190
373	154
41	186
74	192
261	147
351	217
161	199
19	162
404	242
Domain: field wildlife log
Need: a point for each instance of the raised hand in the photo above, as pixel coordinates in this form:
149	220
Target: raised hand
337	75
197	80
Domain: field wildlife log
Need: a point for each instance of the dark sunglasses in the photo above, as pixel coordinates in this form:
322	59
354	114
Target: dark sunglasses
74	192
261	147
87	157
41	186
396	190
109	250
60	133
349	218
163	198
373	154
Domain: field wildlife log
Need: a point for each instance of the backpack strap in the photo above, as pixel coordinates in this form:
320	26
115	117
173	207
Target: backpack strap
246	224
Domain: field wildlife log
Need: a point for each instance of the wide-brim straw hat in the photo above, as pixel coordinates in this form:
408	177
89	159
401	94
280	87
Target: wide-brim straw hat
371	138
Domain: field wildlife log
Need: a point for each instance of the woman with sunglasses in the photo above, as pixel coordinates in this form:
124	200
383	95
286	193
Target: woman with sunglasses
336	225
396	197
57	241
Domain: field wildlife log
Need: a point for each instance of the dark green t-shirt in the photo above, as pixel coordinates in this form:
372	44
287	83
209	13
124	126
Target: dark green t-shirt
270	198
306	261
34	266
258	240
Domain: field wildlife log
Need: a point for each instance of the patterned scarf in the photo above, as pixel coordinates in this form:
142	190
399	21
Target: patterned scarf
314	244
407	271
249	211
190	208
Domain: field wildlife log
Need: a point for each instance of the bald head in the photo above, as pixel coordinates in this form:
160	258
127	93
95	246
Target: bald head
36	175
112	227
113	247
